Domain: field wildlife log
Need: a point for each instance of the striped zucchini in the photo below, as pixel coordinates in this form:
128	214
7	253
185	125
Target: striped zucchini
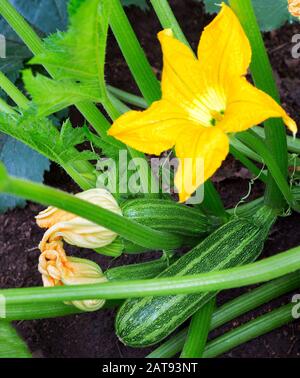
169	216
139	271
146	321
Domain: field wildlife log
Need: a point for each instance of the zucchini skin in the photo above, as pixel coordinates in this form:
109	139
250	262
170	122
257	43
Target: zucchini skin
169	216
146	321
139	271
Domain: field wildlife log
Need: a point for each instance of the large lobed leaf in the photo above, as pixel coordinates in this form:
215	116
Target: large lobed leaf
41	135
76	58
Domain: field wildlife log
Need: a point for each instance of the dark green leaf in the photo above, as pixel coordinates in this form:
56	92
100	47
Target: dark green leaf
46	15
20	161
139	3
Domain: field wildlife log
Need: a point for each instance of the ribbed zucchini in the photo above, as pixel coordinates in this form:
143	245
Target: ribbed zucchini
168	216
146	321
139	271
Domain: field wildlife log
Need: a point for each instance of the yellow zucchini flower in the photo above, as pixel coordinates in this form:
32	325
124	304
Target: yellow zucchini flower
203	99
57	270
76	230
294	7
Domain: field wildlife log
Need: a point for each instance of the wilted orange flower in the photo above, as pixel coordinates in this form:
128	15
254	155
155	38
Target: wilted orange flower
294	7
58	269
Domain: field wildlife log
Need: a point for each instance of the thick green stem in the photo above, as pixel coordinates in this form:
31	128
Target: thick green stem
233	309
31	311
133	53
265	270
262	74
130	230
257	327
20	25
13	92
167	19
127	97
5	108
198	331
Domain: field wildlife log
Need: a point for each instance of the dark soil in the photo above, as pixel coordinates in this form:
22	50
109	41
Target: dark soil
92	335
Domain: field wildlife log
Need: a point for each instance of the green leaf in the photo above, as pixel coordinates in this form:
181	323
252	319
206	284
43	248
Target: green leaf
20	161
79	53
41	135
11	345
46	15
16	53
139	3
270	14
106	149
52	96
74	4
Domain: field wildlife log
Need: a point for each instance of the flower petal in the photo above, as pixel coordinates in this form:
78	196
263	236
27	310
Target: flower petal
248	106
183	82
151	131
224	50
200	153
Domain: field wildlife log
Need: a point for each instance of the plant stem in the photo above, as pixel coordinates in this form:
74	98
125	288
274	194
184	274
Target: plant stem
248	164
127	97
253	141
31	311
257	327
267	269
262	74
167	19
233	309
125	227
133	53
13	92
82	172
5	108
292	143
20	25
198	331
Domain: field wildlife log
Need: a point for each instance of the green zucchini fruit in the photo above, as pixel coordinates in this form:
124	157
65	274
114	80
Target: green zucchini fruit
145	321
169	216
141	271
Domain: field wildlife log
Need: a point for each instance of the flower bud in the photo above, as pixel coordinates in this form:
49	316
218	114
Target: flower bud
58	270
76	230
294	7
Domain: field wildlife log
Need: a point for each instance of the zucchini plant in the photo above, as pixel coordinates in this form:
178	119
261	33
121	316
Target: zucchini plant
203	109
